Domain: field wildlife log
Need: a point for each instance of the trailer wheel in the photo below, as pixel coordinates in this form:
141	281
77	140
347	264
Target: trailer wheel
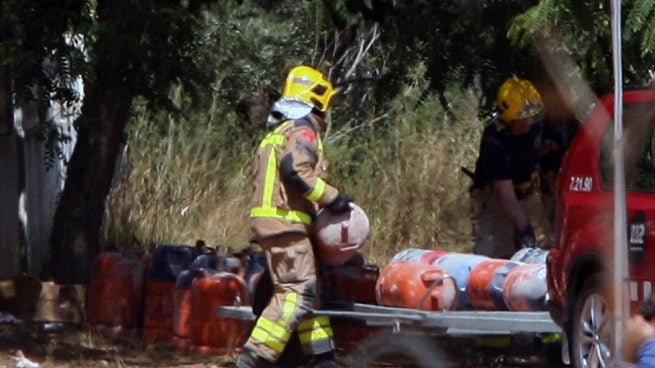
590	329
402	350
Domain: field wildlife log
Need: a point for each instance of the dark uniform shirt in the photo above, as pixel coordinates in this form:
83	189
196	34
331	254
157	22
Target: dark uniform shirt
504	156
560	133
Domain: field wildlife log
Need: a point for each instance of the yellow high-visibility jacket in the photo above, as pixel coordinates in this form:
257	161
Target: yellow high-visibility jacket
289	180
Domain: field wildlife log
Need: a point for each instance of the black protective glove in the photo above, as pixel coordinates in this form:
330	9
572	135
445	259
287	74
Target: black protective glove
527	238
340	204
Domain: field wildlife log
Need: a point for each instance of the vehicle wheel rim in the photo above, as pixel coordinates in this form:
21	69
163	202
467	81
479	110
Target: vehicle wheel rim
594	332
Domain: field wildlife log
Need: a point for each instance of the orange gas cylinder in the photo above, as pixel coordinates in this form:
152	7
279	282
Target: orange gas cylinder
415	285
209	333
352	283
485	283
115	293
525	288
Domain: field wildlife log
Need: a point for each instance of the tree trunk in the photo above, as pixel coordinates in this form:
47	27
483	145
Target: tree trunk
75	238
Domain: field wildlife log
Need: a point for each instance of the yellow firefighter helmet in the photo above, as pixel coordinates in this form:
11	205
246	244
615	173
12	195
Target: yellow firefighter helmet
518	99
309	85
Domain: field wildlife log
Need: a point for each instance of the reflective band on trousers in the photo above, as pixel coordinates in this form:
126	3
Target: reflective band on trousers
274	139
315	329
276	334
270	334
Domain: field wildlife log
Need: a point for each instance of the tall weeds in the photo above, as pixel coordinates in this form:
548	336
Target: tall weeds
188	178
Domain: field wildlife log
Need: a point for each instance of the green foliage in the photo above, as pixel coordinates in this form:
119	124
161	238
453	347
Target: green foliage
583	29
253	48
189	179
180	172
408	117
639	24
459	40
408	179
34	32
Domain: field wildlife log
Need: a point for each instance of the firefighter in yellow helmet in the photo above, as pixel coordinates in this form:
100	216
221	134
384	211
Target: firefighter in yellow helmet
505	196
289	188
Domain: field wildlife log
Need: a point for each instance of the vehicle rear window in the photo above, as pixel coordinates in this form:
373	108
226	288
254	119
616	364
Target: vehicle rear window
638	148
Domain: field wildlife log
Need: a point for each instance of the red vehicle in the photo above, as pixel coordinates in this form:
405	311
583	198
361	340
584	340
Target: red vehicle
578	267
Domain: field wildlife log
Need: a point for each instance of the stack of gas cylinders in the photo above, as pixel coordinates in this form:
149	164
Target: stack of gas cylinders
172	294
439	280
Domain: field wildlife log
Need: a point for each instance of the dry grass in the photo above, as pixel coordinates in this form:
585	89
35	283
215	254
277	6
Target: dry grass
187	179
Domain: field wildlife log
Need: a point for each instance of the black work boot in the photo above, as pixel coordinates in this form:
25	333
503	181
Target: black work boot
250	359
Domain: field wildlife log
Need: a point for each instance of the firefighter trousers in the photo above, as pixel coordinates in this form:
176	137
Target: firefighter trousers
493	232
292	265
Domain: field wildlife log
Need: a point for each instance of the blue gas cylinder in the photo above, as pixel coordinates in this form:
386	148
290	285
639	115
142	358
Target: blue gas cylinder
459	266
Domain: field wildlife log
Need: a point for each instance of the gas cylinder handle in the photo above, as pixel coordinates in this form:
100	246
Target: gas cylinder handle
437	282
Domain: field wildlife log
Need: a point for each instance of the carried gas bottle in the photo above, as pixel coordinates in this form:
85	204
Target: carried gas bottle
115	293
167	262
486	282
338	237
526	288
459	266
415	285
426	256
212	334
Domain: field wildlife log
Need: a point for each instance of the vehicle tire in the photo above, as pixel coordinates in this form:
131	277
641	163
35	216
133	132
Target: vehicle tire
399	349
590	327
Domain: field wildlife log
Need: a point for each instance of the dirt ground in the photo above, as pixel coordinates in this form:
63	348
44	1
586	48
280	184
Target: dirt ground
76	347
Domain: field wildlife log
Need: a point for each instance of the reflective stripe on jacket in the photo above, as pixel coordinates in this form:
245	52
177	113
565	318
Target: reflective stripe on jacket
288	180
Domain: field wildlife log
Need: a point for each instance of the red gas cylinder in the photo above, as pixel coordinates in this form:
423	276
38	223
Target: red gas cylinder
203	265
209	333
415	285
115	293
166	263
350	334
353	283
182	310
485	284
158	311
526	288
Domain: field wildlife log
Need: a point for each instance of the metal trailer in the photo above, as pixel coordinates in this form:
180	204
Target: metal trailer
473	322
409	325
